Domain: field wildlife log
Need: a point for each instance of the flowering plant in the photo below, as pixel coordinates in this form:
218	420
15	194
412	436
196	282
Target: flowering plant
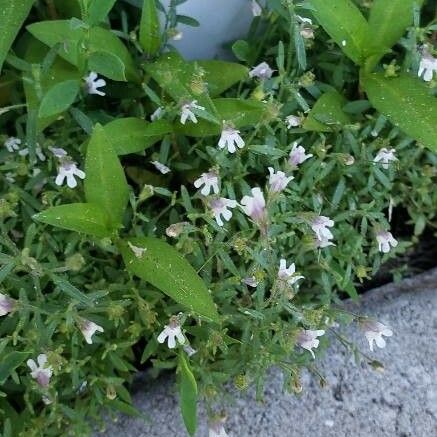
202	217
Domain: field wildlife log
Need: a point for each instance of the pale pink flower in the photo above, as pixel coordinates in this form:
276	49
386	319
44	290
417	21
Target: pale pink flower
220	207
427	66
385	156
251	281
261	71
307	339
231	139
254	206
41	372
256	9
172	331
298	155
374	331
320	225
209	181
385	239
58	152
93	84
278	181
88	329
288	274
6	304
187	111
293	121
68	170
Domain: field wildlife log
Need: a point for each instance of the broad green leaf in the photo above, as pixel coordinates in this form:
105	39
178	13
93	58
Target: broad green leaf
388	21
344	23
72	291
12	16
221	75
240	113
133	135
108	65
105	182
99	10
187	395
166	269
327	111
9	363
59	98
73	38
79	217
241	50
150	32
406	101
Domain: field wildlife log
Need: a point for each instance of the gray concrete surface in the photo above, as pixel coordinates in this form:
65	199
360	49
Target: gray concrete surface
358	402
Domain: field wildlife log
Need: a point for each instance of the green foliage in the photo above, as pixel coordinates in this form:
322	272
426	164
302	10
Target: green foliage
150	37
188	395
58	98
10	362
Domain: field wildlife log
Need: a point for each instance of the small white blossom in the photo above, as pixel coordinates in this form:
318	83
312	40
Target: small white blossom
251	281
176	229
157	114
385	240
293	121
187	113
177	35
298	155
307	339
93	84
69	170
374	331
58	152
288	274
349	160
6	304
38	152
189	350
385	156
88	329
323	242
160	167
12	144
261	71
138	251
209	181
217	429
306	27
220	207
320	226
41	372
278	181
254	206
256	9
427	67
231	139
172	331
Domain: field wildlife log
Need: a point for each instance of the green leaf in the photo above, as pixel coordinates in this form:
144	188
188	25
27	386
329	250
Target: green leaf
240	113
12	16
105	182
166	269
187	395
108	65
241	50
345	24
99	10
406	101
133	135
327	111
9	363
59	98
79	217
221	75
150	33
72	291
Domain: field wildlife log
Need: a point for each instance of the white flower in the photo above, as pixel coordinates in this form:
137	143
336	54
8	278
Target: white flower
41	372
176	229
93	84
349	160
187	113
157	114
251	281
172	331
12	144
297	155
385	156
254	206
177	35
256	9
293	121
160	167
306	27
261	71
288	274
385	240
58	152
320	226
427	67
217	429
138	251
220	207
374	331
189	350
307	339
6	304
230	138
278	181
323	242
38	152
88	329
209	181
69	170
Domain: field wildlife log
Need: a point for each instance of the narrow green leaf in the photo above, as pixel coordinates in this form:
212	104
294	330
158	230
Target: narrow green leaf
107	64
79	217
407	103
72	291
133	135
327	111
99	10
105	183
59	98
9	363
6	269
166	269
221	75
344	23
150	32
12	16
187	395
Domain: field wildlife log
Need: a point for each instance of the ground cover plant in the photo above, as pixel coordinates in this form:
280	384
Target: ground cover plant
199	217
